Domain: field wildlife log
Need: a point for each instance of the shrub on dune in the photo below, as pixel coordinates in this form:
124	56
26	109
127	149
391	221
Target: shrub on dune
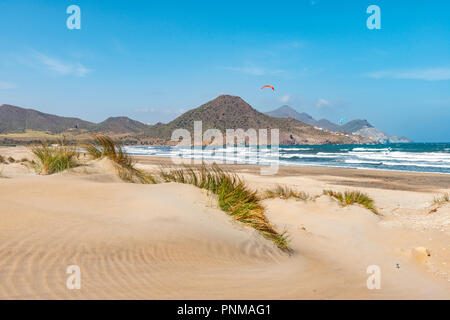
2	159
353	197
105	147
443	199
54	159
284	192
234	197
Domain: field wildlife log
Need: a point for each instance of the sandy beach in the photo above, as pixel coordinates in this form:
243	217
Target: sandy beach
172	241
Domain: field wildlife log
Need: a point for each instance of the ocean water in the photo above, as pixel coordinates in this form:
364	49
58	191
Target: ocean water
418	157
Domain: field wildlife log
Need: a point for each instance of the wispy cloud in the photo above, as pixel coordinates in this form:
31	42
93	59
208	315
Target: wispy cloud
254	71
54	65
323	103
430	74
286	98
61	67
7	85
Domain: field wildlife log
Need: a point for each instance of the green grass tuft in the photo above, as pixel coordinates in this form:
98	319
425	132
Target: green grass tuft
284	192
353	197
104	146
54	159
234	197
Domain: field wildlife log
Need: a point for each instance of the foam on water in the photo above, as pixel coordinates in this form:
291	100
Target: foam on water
421	157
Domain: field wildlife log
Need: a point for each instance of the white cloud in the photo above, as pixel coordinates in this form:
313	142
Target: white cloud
322	103
430	74
54	65
62	68
254	71
7	85
285	99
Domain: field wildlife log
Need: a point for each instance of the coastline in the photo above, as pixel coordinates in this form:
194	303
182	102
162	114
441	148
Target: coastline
433	180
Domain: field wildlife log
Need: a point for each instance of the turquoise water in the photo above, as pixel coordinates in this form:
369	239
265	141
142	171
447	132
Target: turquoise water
419	157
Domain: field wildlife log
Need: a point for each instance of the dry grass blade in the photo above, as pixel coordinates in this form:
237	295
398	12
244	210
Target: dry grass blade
443	199
104	146
353	197
234	197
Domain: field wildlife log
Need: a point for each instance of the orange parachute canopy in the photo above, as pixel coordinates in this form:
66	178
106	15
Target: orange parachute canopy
267	86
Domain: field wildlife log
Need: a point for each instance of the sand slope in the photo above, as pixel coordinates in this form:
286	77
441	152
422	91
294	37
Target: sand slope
170	241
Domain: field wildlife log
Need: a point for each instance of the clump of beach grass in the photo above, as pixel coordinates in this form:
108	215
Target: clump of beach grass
11	159
353	197
52	159
105	147
441	200
2	159
285	192
234	197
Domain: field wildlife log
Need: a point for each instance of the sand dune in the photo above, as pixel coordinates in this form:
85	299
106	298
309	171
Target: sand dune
170	241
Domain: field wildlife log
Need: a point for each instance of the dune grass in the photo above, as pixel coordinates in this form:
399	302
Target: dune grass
52	159
105	147
285	192
353	197
443	199
2	159
11	160
234	197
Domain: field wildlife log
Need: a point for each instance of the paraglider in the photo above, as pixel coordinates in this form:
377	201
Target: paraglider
267	86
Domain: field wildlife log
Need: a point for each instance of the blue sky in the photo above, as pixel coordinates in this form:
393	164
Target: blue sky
152	60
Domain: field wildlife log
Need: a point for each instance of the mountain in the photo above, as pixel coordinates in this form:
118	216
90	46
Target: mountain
16	119
288	112
231	112
224	112
357	127
328	125
120	125
380	137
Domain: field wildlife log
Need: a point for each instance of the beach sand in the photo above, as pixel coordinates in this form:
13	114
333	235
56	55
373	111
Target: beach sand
171	241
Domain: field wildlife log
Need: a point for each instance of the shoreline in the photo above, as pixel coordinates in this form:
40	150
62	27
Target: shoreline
431	180
302	166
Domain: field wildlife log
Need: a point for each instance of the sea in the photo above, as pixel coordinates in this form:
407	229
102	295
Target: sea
416	157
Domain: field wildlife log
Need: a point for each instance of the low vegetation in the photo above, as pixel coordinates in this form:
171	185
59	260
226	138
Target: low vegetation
353	197
234	197
11	160
52	159
105	147
441	200
2	159
1	172
284	192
